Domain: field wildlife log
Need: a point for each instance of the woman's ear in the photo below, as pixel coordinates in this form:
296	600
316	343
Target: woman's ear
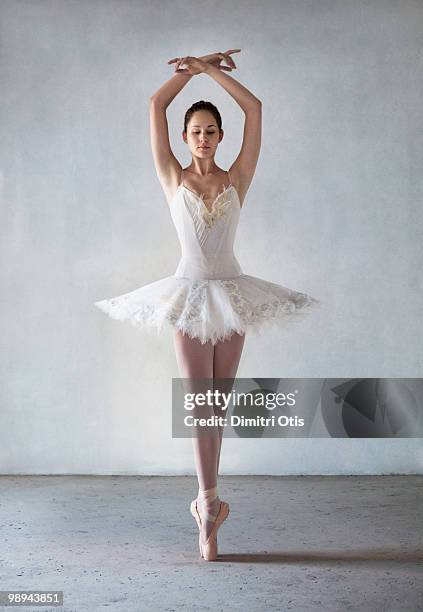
221	135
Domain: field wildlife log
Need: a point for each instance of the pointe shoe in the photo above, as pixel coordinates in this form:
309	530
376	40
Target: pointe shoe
196	515
208	549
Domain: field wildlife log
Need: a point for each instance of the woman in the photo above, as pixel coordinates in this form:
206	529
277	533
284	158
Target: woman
209	301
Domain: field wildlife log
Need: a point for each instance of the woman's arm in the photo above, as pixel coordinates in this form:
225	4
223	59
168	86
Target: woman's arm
168	168
243	168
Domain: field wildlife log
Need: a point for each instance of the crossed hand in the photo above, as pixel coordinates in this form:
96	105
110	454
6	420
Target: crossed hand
197	65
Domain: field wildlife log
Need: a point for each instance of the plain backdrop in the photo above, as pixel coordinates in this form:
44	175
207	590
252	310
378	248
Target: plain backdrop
334	210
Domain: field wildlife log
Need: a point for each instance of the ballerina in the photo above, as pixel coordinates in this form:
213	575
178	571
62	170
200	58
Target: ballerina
209	302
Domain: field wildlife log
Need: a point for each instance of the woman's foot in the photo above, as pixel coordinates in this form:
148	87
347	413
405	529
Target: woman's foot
207	538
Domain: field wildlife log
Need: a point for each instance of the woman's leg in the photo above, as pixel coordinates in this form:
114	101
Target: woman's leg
227	355
195	361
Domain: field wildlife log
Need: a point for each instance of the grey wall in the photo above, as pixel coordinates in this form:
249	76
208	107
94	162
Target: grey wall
335	209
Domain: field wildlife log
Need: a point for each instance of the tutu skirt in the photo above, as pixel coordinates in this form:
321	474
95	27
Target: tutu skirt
209	309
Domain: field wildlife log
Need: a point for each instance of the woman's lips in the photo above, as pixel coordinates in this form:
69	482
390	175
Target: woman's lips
204	147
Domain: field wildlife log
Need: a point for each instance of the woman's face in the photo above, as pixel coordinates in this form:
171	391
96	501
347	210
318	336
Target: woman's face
202	134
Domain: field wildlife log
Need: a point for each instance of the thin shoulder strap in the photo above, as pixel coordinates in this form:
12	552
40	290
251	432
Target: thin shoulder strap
229	176
181	182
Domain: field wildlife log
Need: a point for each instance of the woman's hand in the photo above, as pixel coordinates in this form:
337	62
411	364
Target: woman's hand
194	65
199	65
216	58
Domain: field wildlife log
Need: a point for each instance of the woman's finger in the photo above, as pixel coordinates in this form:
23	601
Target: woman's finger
229	53
180	62
184	61
172	61
227	59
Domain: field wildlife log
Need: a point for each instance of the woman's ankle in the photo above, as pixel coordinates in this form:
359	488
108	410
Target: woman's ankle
208	504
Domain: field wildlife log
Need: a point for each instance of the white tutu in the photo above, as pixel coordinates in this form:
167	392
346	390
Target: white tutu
209	309
208	297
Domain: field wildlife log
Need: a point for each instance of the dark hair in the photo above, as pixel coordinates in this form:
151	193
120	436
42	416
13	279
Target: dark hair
203	105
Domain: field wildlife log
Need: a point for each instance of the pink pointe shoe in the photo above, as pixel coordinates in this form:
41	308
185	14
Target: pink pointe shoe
208	549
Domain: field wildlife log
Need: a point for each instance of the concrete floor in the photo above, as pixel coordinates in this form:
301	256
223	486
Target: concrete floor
129	543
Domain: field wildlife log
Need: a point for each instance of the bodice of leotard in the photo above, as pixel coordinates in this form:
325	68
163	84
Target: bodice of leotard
206	233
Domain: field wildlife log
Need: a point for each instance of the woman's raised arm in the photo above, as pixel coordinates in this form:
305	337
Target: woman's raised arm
244	167
168	168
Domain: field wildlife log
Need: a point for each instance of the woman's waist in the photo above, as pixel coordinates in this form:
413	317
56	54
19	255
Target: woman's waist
218	266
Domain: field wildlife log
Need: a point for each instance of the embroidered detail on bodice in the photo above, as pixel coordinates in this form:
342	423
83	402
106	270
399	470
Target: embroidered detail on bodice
218	208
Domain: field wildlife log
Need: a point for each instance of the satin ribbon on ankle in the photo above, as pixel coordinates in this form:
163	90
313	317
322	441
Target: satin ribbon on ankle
208	495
